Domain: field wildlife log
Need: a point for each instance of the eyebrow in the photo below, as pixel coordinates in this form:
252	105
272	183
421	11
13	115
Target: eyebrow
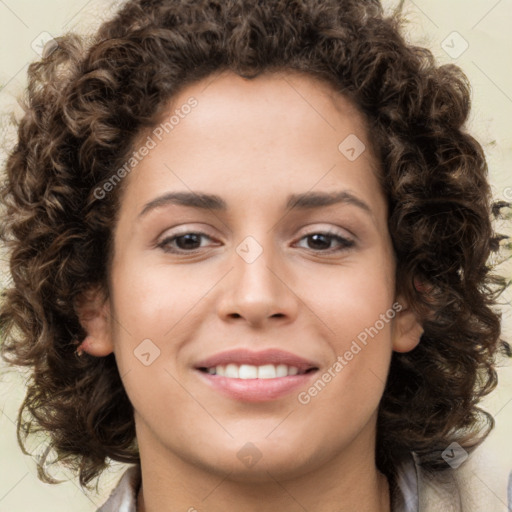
304	201
318	199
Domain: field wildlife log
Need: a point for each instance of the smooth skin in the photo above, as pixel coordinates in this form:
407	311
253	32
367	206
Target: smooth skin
253	143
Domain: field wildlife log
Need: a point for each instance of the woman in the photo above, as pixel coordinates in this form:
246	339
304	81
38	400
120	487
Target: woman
250	254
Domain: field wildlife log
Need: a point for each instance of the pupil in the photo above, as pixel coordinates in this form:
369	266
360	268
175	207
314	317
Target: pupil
190	238
318	238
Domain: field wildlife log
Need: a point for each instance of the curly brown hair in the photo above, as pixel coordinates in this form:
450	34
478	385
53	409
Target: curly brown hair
87	103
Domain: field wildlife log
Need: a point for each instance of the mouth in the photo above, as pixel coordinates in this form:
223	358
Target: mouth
256	376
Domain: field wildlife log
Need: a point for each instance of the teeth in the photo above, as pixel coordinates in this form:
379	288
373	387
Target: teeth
231	371
249	371
281	370
267	371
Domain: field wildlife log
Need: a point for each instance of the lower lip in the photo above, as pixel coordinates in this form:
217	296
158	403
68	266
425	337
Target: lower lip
257	390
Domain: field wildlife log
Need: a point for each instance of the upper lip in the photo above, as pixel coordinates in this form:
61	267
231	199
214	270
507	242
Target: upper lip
260	358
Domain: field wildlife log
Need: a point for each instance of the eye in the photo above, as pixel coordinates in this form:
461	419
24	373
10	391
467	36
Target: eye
190	242
183	242
321	242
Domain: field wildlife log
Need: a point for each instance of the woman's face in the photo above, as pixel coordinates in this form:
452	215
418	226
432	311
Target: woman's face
286	274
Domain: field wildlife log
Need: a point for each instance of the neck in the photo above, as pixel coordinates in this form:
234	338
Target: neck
347	482
276	495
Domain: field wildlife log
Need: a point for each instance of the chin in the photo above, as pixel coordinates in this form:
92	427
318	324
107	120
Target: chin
257	464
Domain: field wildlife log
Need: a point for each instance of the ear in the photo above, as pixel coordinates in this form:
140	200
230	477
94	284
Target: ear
407	330
93	310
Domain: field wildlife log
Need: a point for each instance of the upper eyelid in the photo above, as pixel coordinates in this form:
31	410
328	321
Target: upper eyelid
331	230
186	227
311	230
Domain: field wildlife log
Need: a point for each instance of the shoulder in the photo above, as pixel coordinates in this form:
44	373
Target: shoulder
471	487
510	490
123	497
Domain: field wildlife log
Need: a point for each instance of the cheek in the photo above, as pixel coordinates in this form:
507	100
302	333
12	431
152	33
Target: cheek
357	309
155	312
351	298
151	298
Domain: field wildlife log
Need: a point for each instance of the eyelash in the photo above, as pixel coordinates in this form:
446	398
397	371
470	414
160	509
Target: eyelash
345	243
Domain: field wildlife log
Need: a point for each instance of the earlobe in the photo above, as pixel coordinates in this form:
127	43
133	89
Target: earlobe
407	330
93	312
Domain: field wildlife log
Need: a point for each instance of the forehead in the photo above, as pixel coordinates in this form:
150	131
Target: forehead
225	97
257	135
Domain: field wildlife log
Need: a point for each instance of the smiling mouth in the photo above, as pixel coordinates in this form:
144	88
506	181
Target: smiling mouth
248	371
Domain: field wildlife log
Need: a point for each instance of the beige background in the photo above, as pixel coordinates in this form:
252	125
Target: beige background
483	26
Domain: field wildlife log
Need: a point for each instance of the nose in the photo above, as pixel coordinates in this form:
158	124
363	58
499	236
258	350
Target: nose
258	290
